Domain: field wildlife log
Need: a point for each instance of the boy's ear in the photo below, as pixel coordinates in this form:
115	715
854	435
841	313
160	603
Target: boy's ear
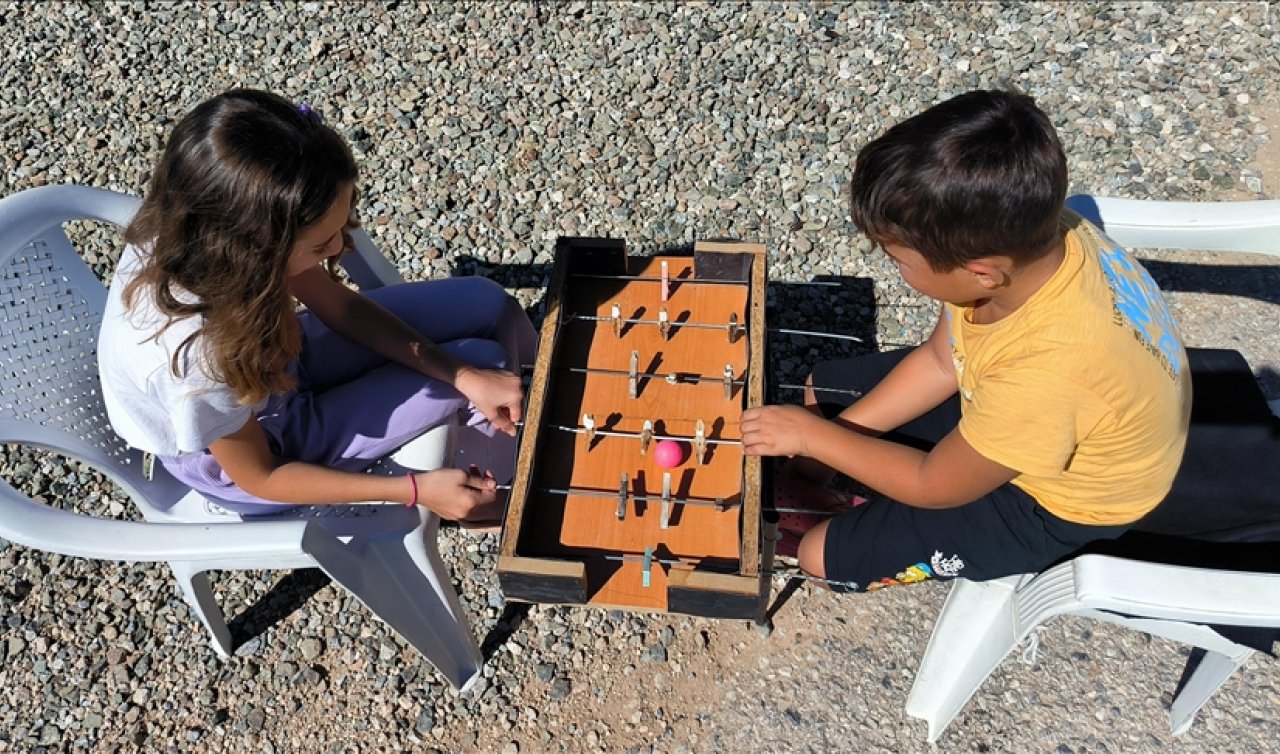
989	273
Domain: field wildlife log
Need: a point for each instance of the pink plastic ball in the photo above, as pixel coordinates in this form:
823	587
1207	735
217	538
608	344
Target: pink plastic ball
668	454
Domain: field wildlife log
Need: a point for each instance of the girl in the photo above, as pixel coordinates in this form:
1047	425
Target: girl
207	363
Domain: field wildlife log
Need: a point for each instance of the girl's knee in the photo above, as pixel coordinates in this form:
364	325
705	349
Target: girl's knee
483	294
484	353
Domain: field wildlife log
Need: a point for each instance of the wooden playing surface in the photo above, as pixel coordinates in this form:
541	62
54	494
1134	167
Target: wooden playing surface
586	528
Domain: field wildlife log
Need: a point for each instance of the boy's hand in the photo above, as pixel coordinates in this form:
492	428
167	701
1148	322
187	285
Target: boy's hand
496	394
777	430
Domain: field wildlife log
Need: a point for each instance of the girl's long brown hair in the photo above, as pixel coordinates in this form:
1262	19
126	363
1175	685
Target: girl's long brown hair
242	174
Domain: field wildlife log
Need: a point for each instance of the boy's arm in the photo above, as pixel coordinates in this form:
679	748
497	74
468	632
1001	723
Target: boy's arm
950	475
919	383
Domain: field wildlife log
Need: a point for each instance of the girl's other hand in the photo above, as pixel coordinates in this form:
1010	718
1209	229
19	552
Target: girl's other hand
777	430
455	494
497	395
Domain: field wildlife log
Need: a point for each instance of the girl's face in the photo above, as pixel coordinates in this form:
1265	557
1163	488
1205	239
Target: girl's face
323	238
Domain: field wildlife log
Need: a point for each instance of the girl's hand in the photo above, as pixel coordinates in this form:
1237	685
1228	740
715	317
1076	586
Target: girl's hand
496	394
455	494
777	430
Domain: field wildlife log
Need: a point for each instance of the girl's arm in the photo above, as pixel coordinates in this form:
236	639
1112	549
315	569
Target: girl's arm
496	393
246	458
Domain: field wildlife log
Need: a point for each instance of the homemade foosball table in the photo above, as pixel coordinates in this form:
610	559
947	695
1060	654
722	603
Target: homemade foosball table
631	489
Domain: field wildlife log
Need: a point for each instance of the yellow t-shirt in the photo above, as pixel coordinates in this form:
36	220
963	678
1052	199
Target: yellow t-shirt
1084	390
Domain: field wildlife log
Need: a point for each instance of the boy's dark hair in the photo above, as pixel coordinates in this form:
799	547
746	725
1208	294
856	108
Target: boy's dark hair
242	174
980	175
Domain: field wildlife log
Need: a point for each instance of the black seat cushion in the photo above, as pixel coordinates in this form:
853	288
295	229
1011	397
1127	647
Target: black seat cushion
1224	509
1228	487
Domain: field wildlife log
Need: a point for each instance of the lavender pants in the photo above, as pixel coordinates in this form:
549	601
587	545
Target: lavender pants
352	406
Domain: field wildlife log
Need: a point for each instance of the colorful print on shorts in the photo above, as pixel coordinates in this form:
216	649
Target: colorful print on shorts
938	566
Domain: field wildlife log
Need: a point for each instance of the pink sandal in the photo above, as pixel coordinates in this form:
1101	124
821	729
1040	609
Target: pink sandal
802	506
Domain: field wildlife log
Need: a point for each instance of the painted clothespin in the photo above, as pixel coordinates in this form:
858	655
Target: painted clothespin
615	314
647	565
665	515
589	428
633	375
664	323
700	442
622	497
733	327
666	282
646	436
728	381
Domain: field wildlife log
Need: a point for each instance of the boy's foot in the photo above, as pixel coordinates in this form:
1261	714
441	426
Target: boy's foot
801	506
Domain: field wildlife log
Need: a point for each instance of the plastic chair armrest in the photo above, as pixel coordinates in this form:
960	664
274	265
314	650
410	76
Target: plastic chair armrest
1209	226
367	266
1169	592
38	526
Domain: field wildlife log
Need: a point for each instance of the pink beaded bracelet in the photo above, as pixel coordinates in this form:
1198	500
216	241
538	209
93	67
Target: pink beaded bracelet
413	482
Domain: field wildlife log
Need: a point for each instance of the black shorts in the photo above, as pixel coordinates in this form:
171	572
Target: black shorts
882	542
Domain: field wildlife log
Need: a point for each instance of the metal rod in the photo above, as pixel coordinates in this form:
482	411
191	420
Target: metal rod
702	325
717	503
809	333
614	433
794	575
855	393
675	281
582	492
695	564
670	377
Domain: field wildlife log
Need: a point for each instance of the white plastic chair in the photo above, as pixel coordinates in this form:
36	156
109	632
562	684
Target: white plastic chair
51	306
981	623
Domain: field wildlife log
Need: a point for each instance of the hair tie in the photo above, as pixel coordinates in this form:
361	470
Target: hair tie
309	112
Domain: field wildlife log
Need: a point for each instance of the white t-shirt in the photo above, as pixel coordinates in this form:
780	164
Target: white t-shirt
148	406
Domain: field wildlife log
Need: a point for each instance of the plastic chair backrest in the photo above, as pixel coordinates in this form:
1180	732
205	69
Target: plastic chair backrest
51	307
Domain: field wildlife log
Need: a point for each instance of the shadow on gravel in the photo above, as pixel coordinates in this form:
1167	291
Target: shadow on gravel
513	614
1255	281
781	598
287	595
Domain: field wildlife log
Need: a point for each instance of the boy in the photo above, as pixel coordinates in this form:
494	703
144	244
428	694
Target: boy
1049	407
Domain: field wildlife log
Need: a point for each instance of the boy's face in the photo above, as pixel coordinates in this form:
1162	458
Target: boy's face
960	286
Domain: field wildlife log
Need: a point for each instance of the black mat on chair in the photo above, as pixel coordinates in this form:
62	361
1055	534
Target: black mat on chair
1228	488
1224	509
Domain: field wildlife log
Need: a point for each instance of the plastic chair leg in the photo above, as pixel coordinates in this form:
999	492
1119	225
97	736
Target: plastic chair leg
198	593
401	578
974	632
1214	669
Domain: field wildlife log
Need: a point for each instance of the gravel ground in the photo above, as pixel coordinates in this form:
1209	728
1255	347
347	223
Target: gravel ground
486	130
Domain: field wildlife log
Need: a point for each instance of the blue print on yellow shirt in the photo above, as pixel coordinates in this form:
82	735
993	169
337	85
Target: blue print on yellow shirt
1139	303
